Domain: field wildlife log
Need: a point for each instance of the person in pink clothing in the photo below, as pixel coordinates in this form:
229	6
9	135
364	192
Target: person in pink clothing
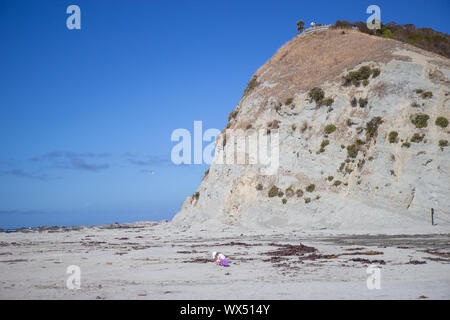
220	259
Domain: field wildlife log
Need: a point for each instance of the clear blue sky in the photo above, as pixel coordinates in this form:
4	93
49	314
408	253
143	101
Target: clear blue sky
86	115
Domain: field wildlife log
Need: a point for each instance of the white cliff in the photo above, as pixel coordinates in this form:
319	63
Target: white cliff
392	182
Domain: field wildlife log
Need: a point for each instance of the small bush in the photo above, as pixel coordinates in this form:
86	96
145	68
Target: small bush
372	127
275	124
280	194
330	178
316	94
443	143
273	192
361	163
249	127
289	101
299	193
406	145
307	200
393	137
284	200
363	102
418	91
330	128
352	151
421	120
375	72
349	122
196	195
252	84
387	34
233	114
259	187
351	78
344	24
289	192
337	183
323	145
426	95
417	137
362	74
365	82
441	122
354	102
310	188
327	101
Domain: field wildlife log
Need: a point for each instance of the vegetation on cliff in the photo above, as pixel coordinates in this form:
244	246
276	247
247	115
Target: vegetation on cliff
424	38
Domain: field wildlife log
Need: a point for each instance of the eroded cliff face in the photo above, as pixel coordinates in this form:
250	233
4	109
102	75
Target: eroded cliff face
368	150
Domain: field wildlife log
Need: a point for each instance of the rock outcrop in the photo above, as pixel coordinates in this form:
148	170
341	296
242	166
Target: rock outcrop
359	147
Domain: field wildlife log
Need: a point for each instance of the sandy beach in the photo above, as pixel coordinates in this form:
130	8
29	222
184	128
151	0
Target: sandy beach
159	261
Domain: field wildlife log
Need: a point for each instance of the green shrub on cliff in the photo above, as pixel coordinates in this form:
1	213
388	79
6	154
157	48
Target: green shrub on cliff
420	120
393	137
441	122
329	128
273	191
252	84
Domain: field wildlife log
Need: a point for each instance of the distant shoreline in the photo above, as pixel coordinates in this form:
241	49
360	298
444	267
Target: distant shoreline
51	229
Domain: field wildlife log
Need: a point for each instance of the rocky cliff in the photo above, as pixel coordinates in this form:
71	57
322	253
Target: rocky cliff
363	129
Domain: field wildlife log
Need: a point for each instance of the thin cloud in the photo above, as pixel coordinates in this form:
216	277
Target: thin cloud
69	155
74	160
81	164
24	174
24	212
145	161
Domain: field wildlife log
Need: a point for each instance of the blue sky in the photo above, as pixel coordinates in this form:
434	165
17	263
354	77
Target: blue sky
86	115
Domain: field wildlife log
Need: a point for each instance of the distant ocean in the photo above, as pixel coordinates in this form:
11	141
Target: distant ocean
15	220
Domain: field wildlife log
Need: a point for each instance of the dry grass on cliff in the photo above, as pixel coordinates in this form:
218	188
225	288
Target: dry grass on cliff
310	60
